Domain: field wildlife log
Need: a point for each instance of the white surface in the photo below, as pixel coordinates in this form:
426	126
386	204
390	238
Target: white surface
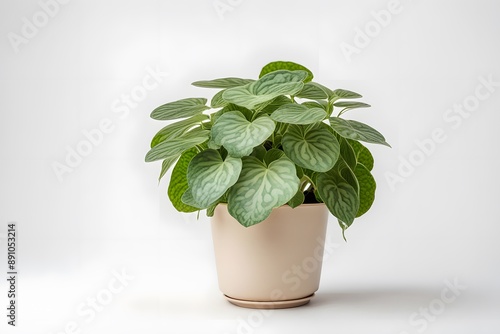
109	214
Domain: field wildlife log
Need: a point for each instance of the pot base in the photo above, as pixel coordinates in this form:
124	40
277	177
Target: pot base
270	304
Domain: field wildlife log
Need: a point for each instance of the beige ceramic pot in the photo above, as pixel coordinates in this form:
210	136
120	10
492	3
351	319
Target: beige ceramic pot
273	264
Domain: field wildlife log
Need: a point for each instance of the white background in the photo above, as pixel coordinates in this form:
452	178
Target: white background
439	222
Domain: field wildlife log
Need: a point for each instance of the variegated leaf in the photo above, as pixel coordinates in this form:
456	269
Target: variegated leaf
339	196
222	83
218	101
298	114
180	109
177	145
357	131
239	136
351	104
266	88
261	188
347	153
314	91
311	147
166	164
209	176
177	128
285	65
345	94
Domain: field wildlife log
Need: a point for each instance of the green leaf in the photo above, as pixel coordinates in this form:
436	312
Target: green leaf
339	196
314	91
351	105
357	131
177	145
209	176
211	210
272	155
345	94
285	65
177	128
363	155
276	103
179	183
315	104
297	200
311	147
218	101
238	135
318	196
180	109
347	153
367	187
261	188
300	171
349	176
222	83
259	152
298	114
187	199
266	88
165	166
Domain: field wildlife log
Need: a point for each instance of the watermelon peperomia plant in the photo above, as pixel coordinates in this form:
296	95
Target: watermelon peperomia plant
265	143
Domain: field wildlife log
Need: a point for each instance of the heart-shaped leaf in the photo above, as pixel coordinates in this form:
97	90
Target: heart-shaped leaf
311	147
180	109
356	130
363	155
261	188
239	136
285	65
314	91
177	145
209	176
266	88
179	183
339	196
222	83
177	128
367	187
298	114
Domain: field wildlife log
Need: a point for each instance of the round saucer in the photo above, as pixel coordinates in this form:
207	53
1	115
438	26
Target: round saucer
270	304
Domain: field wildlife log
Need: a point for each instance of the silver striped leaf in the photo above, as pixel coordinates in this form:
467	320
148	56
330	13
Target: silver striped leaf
266	88
262	188
209	176
293	113
238	135
311	147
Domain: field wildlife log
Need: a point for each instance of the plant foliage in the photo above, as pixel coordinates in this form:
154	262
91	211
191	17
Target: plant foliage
260	144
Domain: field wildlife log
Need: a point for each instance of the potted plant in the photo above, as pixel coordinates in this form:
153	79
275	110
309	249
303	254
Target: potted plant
268	159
